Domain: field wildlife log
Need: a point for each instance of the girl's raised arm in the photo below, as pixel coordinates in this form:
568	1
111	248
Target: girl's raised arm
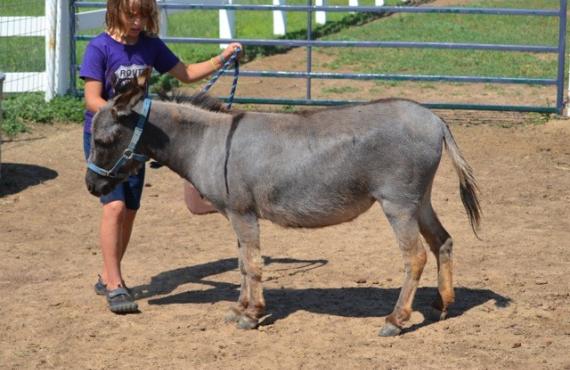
197	71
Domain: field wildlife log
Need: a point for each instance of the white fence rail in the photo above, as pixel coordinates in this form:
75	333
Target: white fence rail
23	27
54	27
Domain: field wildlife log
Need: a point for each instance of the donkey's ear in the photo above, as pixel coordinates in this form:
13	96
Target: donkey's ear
144	77
125	102
131	93
114	82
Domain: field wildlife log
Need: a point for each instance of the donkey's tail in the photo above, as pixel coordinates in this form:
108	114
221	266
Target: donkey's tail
467	183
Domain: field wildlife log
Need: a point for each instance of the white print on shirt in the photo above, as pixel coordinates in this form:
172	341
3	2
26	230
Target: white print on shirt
131	71
124	74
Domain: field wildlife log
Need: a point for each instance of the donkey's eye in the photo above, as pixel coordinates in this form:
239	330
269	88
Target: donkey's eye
107	137
104	142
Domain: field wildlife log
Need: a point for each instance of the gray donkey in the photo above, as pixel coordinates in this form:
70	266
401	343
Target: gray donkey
303	170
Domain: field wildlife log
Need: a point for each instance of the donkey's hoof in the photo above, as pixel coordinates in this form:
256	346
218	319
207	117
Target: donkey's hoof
433	314
389	330
233	315
247	323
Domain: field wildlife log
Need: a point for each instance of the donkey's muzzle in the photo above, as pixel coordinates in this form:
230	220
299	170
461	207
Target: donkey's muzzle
97	185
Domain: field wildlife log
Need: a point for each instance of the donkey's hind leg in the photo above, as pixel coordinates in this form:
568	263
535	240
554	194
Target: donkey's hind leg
441	245
251	304
403	218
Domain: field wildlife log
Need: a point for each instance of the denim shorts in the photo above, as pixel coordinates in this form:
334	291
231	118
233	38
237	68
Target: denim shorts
129	191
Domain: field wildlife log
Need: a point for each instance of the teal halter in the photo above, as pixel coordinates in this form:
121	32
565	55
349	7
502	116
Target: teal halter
128	153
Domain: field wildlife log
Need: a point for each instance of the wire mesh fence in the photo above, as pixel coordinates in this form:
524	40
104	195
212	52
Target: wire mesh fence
23	30
2	76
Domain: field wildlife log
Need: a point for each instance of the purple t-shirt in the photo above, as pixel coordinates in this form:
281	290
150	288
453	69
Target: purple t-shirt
111	62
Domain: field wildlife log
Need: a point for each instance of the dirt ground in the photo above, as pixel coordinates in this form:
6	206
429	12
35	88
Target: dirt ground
327	290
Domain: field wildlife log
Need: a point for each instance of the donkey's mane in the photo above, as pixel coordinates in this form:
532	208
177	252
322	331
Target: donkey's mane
200	100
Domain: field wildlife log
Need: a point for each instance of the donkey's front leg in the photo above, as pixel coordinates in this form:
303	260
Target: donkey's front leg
251	304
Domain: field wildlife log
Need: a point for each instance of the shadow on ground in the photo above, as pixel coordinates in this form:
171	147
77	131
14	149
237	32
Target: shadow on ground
348	302
168	281
16	177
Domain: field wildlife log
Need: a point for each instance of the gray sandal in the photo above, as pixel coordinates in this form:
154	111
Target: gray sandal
100	287
120	301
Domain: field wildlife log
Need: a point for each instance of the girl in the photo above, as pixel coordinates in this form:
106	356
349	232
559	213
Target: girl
123	51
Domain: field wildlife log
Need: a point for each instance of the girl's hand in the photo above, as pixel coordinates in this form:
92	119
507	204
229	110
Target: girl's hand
229	50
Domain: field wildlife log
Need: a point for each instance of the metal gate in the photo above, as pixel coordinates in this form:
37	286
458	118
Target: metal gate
309	42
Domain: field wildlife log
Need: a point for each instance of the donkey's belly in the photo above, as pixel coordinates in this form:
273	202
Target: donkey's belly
312	213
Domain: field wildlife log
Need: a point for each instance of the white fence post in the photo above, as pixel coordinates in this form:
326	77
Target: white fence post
320	16
227	24
163	19
50	46
63	49
279	19
379	2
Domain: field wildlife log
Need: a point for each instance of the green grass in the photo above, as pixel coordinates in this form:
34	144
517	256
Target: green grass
22	54
26	54
20	109
453	28
249	24
340	90
22	7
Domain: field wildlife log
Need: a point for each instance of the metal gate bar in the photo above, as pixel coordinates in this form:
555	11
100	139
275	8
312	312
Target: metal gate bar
309	43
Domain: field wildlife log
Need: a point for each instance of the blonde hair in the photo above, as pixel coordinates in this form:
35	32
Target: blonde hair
145	8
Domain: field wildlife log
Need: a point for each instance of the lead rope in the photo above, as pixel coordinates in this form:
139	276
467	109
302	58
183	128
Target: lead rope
227	63
232	60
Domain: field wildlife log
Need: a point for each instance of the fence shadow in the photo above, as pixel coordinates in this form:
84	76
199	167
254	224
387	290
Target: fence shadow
16	177
347	302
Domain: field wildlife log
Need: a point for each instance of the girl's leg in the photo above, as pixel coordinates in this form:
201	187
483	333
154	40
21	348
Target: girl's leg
111	241
115	231
128	229
116	224
119	212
